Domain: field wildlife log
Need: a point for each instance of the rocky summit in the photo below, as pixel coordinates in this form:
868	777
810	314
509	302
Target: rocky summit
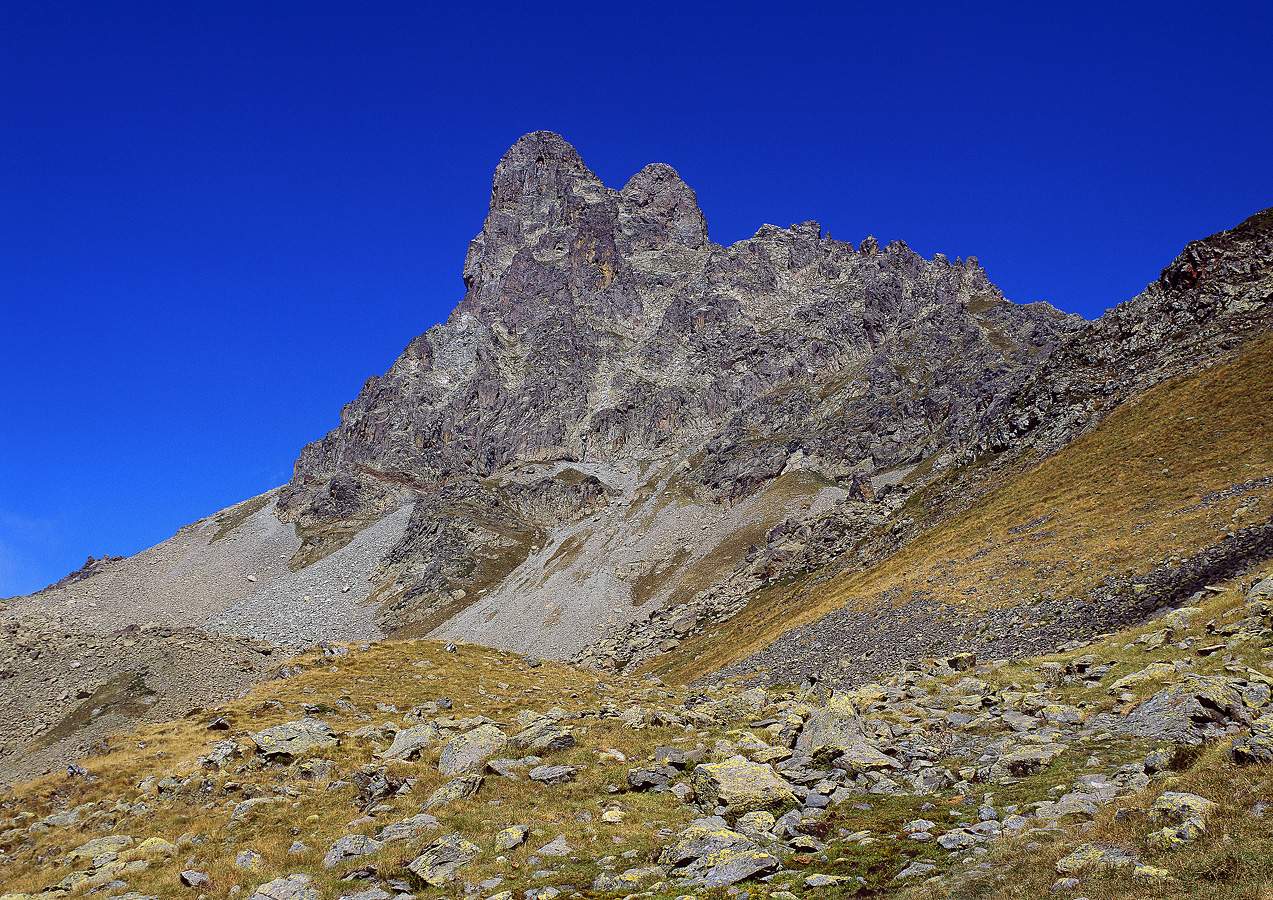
666	569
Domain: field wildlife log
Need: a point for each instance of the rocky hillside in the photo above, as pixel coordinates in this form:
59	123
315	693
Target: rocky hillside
1136	768
604	335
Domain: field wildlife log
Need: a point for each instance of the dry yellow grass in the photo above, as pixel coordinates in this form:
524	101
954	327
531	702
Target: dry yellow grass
1122	499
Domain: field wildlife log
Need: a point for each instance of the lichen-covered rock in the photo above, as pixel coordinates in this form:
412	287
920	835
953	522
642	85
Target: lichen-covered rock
293	887
410	742
408	829
350	847
1153	672
1191	711
553	774
101	848
293	739
439	861
1174	807
456	789
741	786
1026	761
1257	747
836	725
626	882
710	854
860	757
249	861
1061	714
511	837
1094	859
1150	875
156	846
1175	837
544	736
466	754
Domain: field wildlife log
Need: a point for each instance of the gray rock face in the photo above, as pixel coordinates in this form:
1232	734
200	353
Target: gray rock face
466	754
601	325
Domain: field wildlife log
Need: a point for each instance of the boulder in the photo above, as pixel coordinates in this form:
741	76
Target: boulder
835	725
553	774
456	789
545	735
466	754
556	847
408	829
409	742
1174	807
1190	712
1094	859
293	887
350	847
710	854
439	861
1258	746
293	739
741	786
627	882
1026	761
511	837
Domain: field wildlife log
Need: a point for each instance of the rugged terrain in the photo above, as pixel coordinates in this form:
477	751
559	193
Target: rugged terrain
939	575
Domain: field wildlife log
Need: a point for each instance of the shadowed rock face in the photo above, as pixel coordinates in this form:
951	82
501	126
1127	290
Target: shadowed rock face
604	325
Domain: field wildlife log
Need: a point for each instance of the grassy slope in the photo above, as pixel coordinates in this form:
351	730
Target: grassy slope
1122	499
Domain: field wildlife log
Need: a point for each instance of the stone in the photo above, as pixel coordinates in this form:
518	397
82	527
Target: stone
1153	672
1191	711
101	848
1257	747
156	846
1094	859
741	786
544	736
466	754
836	725
1026	761
460	788
245	808
350	847
860	757
710	854
1061	714
1174	807
249	861
512	837
627	882
651	778
820	880
914	870
553	774
193	878
408	829
756	824
293	887
1150	875
1174	837
440	860
410	742
294	739
556	847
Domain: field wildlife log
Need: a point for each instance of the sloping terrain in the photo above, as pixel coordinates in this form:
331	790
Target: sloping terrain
1138	768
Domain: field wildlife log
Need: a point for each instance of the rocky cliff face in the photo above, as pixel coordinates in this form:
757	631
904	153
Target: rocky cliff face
602	327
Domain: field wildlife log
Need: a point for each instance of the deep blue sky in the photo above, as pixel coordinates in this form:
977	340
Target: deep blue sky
217	220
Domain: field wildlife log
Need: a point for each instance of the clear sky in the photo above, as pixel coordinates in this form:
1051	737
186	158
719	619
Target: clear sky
217	220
